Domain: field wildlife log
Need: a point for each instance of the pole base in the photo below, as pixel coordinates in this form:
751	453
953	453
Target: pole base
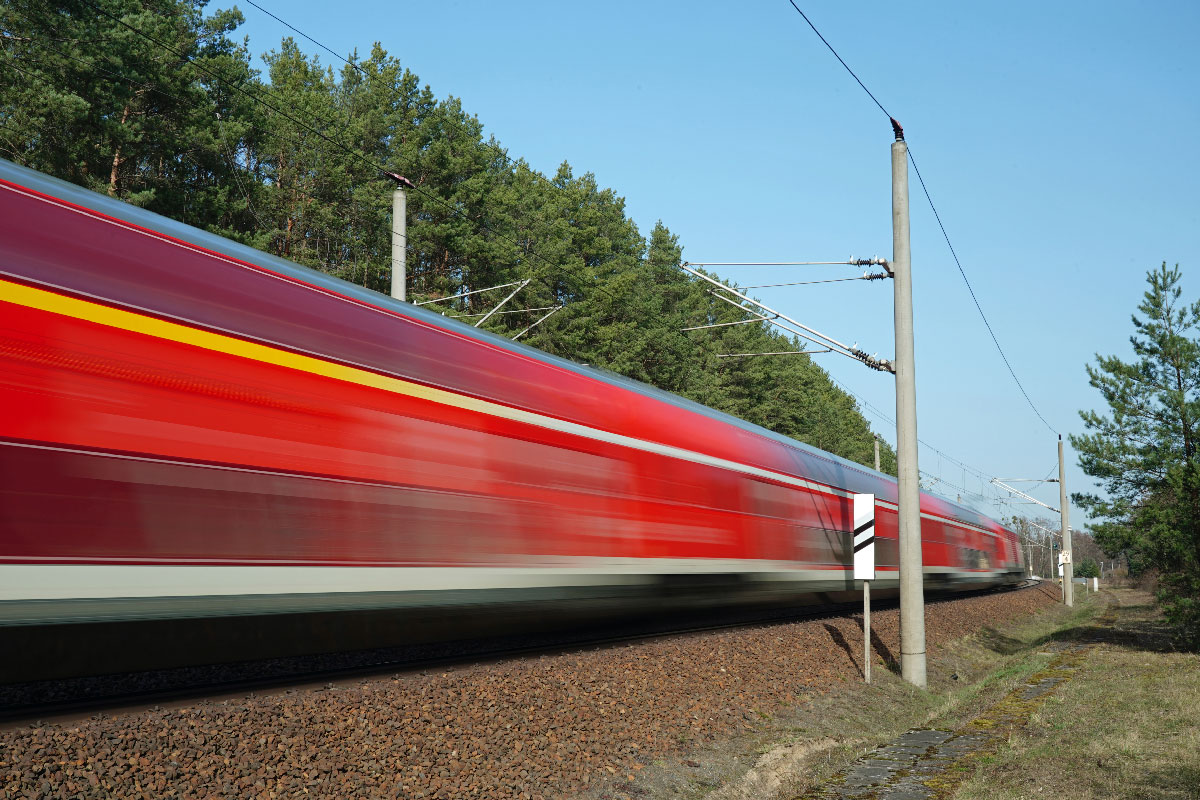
912	669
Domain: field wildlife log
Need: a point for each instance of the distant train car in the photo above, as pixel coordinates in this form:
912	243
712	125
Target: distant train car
204	443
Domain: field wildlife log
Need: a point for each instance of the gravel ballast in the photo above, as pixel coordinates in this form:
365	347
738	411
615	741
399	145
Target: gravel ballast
535	727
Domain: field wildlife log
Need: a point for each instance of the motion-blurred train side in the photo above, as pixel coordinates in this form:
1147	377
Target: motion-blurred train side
203	443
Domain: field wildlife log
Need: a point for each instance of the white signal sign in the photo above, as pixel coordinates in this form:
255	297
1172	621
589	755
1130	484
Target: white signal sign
864	537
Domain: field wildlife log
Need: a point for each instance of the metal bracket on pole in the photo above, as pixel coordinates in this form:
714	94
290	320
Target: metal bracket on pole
726	324
776	353
465	294
1019	493
866	276
873	261
521	285
850	351
552	312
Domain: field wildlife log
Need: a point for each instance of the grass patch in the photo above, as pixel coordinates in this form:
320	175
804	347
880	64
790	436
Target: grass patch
1125	726
991	663
965	678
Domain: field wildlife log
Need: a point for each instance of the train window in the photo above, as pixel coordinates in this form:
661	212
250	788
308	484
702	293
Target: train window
971	558
769	500
828	546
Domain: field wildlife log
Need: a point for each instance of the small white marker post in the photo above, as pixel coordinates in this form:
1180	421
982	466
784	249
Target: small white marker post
864	566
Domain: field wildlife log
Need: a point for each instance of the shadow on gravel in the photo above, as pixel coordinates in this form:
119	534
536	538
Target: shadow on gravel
841	642
881	649
1049	589
853	652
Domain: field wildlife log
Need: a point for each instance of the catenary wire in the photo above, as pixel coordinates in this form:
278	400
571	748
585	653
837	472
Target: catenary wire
810	283
838	57
937	216
327	49
975	299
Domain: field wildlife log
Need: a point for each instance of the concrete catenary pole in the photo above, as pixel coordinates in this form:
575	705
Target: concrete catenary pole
912	588
1068	567
399	233
399	242
877	454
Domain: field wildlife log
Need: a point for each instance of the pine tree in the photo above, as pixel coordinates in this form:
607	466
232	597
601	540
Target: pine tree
124	99
1144	451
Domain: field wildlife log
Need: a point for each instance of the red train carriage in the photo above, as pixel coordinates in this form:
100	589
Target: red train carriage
194	430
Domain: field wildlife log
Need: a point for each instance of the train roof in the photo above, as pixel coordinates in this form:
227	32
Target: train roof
121	210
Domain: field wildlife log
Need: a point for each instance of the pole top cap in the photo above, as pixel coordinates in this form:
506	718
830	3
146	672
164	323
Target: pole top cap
897	129
399	179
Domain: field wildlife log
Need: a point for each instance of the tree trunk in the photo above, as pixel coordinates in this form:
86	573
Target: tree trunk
116	162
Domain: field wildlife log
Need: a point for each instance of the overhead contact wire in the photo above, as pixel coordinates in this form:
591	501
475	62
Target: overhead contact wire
937	216
839	58
975	299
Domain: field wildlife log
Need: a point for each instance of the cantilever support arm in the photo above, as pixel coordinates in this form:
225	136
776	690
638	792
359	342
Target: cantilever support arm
1019	493
814	336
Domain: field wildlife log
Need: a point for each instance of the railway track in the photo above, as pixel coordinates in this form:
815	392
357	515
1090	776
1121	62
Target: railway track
73	697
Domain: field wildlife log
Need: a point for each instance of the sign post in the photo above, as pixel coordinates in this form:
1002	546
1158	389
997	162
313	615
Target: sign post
864	566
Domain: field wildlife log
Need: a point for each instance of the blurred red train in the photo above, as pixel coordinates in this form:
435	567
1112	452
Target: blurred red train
194	430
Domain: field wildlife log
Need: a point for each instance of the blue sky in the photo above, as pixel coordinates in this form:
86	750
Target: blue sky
1058	140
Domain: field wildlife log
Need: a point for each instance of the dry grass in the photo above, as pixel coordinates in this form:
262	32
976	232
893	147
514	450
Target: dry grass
812	742
1125	727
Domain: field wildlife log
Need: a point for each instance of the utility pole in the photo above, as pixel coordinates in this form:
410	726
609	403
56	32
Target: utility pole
399	233
912	588
1068	567
877	452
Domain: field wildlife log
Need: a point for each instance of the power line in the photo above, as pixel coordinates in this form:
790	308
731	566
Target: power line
873	277
839	58
311	39
925	189
975	299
